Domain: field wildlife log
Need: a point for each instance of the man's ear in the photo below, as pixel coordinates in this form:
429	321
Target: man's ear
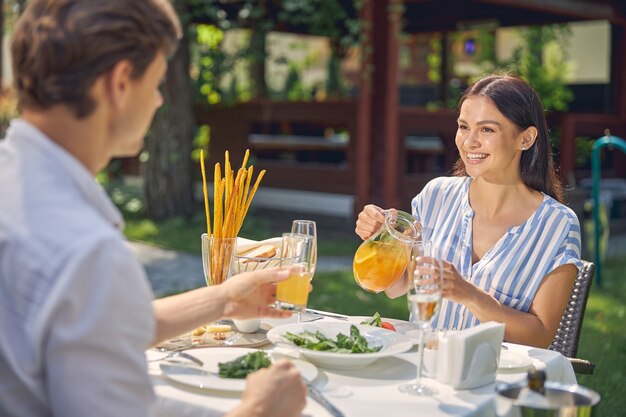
118	82
529	135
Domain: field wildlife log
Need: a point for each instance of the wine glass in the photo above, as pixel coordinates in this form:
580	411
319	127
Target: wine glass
307	227
424	273
293	293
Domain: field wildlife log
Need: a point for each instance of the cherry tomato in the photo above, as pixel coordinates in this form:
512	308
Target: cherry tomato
387	325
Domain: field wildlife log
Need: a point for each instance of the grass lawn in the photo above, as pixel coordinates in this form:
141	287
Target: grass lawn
184	234
603	339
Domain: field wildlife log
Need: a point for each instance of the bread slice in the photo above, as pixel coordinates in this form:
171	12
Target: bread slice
218	328
263	251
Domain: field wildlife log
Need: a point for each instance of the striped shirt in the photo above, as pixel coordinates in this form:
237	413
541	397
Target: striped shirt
513	268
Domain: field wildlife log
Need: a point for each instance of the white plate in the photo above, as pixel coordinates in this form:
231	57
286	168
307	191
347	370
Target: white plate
513	361
212	356
392	342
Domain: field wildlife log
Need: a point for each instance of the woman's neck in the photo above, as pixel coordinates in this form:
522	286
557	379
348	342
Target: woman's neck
490	199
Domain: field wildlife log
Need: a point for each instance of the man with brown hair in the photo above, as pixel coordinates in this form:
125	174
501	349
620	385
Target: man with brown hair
75	306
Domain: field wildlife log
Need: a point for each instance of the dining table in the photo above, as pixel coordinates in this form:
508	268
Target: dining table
368	391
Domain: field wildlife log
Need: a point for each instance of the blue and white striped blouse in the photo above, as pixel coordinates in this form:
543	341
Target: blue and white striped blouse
514	267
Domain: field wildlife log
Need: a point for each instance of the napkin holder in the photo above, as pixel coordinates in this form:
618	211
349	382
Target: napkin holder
469	358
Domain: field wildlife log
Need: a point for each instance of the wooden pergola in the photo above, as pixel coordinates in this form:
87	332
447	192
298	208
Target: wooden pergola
382	122
376	155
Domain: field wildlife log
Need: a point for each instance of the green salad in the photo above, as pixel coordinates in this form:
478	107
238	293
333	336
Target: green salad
375	320
244	365
355	343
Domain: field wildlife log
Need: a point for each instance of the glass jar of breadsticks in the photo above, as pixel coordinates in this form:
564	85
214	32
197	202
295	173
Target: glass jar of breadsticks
232	196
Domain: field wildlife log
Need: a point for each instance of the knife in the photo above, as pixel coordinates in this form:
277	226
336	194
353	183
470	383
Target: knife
327	314
320	398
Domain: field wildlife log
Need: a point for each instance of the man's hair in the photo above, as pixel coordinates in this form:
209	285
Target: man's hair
60	47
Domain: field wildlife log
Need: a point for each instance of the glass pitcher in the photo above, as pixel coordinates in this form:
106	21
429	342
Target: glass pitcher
381	260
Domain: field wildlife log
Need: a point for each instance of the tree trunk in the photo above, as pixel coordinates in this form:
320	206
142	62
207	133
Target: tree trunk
167	171
1	46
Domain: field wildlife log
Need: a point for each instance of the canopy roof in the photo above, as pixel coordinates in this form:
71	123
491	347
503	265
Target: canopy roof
449	15
443	15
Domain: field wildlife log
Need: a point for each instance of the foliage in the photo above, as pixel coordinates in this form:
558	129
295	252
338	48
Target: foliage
325	18
434	59
541	59
8	110
216	69
293	88
583	146
201	141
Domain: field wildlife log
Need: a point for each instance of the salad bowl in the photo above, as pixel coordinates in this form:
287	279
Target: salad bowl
383	342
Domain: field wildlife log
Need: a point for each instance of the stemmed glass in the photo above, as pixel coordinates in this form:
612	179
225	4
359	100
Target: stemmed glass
424	296
307	227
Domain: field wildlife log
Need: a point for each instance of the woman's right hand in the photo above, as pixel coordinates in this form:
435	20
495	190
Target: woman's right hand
369	221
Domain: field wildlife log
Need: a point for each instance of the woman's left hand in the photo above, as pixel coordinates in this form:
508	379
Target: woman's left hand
454	286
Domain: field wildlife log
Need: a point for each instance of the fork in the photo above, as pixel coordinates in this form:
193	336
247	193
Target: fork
178	353
232	339
321	398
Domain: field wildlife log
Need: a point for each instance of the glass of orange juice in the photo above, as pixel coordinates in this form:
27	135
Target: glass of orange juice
293	293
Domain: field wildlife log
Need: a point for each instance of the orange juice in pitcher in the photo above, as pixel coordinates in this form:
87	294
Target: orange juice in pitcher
381	260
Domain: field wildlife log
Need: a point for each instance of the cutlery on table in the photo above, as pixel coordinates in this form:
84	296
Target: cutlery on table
180	369
177	354
232	339
320	398
326	314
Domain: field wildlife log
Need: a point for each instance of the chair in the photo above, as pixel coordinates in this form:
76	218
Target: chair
568	333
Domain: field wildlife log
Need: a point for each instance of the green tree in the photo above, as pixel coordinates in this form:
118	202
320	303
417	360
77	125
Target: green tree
542	61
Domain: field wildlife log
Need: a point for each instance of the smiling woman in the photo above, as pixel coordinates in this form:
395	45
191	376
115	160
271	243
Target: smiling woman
511	248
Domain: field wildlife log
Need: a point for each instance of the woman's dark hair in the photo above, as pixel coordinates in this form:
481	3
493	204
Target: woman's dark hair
519	103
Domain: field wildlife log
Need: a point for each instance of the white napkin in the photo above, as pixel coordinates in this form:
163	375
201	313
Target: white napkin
246	245
469	358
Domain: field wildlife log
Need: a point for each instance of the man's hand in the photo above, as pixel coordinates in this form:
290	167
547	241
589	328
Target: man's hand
250	294
276	391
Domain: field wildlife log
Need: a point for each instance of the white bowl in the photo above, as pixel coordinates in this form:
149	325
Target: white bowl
247	325
392	344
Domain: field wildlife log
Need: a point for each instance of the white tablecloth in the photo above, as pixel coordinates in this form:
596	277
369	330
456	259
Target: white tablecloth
372	391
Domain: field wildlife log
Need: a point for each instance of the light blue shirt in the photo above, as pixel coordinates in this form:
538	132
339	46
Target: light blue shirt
75	305
514	267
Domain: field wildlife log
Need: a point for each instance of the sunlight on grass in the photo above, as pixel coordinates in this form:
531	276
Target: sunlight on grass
603	340
337	291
